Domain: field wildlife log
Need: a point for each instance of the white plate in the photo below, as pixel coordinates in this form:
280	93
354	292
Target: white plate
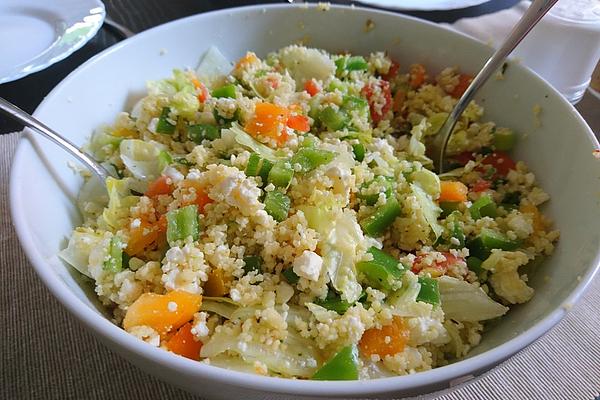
423	5
37	33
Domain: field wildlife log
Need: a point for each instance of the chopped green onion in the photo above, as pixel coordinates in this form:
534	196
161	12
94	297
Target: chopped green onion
252	263
309	158
342	367
504	139
430	292
182	223
277	205
224	91
340	65
290	276
383	217
163	125
198	133
483	207
114	259
281	174
332	119
449	207
359	151
265	168
474	264
356	63
381	272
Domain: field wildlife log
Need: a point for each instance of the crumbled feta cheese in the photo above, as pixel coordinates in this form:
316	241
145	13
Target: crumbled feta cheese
172	306
173	174
135	223
308	265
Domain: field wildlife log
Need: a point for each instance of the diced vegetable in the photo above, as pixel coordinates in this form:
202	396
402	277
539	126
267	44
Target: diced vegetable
487	240
356	63
388	340
269	120
501	162
198	133
142	158
182	223
184	343
416	75
359	151
481	186
504	139
254	164
449	207
453	191
164	160
250	143
382	218
215	285
474	264
277	205
78	250
384	183
483	207
155	310
281	174
342	367
538	222
213	66
383	271
164	125
512	198
145	236
311	87
201	198
309	158
114	260
464	81
334	302
224	91
299	123
373	92
429	292
160	186
252	263
332	119
290	276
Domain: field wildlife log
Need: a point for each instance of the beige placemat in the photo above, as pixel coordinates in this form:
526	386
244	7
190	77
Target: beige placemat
46	354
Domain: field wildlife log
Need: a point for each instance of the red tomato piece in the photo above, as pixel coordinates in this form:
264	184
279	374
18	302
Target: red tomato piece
481	186
299	123
392	72
501	161
312	87
464	81
371	91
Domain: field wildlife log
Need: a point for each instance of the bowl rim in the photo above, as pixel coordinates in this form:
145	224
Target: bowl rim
110	332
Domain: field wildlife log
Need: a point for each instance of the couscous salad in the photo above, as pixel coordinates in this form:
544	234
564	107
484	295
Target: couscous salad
280	216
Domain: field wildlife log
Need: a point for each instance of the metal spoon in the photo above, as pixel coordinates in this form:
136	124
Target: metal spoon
534	13
26	119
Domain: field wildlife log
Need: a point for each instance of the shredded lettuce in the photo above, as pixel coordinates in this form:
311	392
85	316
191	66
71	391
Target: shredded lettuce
77	253
223	306
341	235
462	301
297	355
120	200
92	197
404	300
213	66
428	181
142	158
245	140
102	144
430	209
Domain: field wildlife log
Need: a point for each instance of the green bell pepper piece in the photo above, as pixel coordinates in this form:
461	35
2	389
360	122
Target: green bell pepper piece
252	263
277	205
474	264
114	260
182	223
385	182
504	139
382	271
164	159
290	276
430	292
334	302
281	174
359	151
198	133
309	158
253	166
356	63
382	218
332	119
224	91
163	125
481	247
342	367
483	207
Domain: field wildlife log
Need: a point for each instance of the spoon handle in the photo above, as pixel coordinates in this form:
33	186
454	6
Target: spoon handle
24	118
534	13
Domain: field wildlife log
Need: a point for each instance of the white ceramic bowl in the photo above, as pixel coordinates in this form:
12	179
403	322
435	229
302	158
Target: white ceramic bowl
42	186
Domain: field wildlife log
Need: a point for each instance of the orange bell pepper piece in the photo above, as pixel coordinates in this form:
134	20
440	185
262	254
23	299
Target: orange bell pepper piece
453	191
385	341
184	343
